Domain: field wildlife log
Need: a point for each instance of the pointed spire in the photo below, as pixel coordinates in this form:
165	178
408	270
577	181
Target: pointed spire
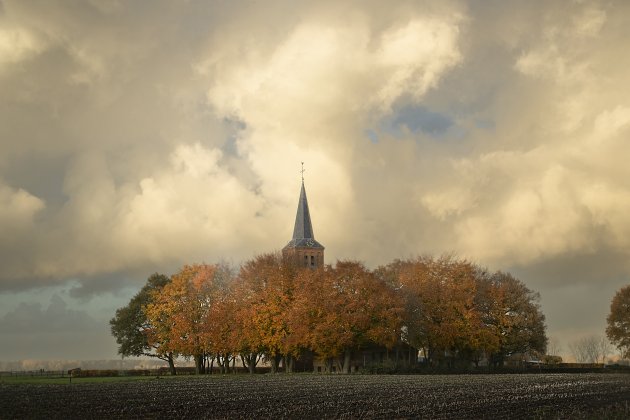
303	228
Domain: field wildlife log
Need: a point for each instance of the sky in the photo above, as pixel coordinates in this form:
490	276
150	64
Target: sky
139	136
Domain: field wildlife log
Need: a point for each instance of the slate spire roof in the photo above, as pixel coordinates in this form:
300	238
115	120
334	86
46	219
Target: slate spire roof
303	229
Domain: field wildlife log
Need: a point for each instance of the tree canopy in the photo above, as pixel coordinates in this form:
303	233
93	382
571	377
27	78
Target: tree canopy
451	309
130	324
618	329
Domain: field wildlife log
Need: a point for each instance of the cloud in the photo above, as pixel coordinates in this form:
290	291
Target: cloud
192	203
17	209
157	187
138	139
309	97
31	318
545	188
17	44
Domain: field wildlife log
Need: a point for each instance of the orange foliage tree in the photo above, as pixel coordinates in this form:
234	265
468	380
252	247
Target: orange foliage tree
179	313
515	316
456	311
219	331
264	292
452	309
343	308
440	313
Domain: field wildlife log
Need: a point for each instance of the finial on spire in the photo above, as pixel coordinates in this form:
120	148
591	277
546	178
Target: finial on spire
302	171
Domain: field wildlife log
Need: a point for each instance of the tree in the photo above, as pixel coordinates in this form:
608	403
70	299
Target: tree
585	350
343	309
178	312
553	347
618	329
517	319
553	352
264	293
220	333
440	313
130	325
591	349
605	348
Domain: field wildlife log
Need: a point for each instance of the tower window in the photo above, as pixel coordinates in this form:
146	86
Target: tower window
312	261
306	260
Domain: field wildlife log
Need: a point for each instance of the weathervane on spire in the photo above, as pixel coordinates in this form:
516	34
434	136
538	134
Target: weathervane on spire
302	171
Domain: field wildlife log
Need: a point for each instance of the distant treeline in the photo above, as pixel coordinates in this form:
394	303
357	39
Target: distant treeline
34	365
452	310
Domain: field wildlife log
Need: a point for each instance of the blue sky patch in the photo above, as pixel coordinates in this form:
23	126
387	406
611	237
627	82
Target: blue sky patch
419	118
371	134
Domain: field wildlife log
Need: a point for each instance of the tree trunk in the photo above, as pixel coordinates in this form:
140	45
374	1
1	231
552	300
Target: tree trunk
288	364
347	356
252	364
250	360
274	363
198	363
220	363
328	362
226	363
171	364
211	365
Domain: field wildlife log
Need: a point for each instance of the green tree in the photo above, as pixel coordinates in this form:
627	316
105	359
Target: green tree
618	329
130	325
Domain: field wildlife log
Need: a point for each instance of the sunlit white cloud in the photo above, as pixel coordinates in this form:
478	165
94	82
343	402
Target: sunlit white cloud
18	208
17	44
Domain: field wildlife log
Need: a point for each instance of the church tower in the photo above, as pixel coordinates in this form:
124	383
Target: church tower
303	249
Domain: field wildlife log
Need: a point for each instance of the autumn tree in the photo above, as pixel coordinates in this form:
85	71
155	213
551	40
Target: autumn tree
456	310
440	315
515	316
178	313
343	309
264	291
130	325
452	309
618	329
219	331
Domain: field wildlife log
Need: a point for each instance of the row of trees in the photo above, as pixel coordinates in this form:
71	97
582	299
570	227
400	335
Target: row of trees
450	309
590	349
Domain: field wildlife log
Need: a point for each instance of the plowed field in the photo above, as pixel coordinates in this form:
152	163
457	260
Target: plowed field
328	396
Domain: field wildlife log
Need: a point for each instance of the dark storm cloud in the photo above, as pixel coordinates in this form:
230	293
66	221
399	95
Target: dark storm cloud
31	318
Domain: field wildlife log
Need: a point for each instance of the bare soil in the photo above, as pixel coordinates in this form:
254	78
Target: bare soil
328	396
